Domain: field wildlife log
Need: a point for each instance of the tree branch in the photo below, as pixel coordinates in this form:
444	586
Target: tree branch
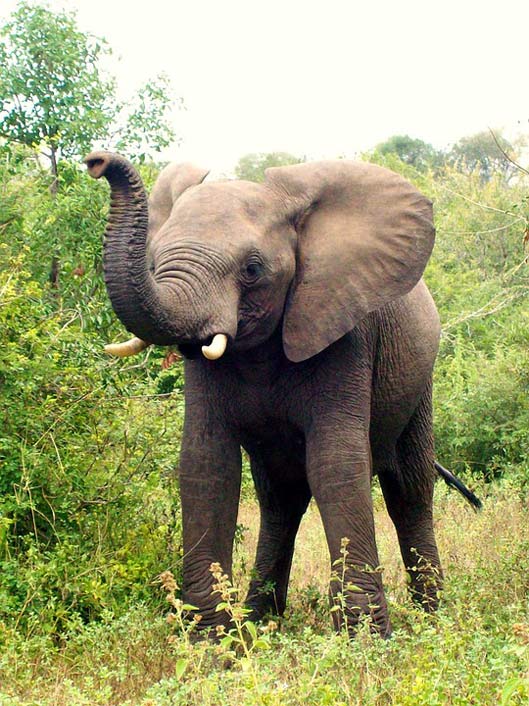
485	310
482	232
504	153
480	205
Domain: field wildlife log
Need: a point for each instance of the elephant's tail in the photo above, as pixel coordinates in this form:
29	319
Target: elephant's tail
451	480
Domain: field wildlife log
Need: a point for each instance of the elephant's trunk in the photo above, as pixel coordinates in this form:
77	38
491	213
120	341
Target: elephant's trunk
136	297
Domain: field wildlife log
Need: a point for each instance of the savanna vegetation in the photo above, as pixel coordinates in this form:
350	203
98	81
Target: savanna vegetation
90	547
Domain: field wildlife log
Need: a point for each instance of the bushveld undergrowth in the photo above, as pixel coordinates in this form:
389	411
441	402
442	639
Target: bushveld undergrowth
89	512
474	651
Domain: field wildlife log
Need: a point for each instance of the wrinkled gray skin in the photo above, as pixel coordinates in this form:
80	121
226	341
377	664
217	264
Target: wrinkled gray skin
314	276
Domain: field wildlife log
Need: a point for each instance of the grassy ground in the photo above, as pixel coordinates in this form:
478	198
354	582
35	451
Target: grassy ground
475	651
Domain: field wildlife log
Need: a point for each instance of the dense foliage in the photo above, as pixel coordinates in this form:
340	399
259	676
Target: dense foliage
52	90
417	153
87	508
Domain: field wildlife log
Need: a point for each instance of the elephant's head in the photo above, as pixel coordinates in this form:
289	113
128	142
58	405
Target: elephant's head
315	248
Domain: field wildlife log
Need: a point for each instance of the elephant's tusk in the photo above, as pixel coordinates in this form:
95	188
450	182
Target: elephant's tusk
216	348
131	347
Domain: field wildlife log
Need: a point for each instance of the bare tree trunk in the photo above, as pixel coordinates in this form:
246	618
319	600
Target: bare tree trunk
54	188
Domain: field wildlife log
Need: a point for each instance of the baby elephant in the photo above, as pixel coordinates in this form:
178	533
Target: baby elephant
309	340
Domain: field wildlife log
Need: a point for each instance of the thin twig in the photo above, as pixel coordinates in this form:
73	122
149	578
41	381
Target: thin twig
482	232
140	397
504	153
68	323
29	598
483	311
139	365
61	416
480	205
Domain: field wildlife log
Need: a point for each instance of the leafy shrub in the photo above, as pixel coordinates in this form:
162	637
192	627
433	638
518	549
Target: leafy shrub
88	510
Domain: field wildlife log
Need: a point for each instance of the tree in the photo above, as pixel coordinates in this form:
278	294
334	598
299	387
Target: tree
143	124
419	154
52	93
484	153
251	167
55	99
54	96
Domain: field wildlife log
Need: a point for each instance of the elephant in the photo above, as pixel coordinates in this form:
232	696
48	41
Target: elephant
309	339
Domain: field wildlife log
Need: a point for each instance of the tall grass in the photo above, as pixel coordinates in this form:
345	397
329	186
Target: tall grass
474	651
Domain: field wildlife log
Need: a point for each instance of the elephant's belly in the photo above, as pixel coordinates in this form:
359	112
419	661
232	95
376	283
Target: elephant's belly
409	332
277	447
394	402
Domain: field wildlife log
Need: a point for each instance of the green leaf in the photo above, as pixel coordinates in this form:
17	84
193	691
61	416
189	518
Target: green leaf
180	668
250	626
246	664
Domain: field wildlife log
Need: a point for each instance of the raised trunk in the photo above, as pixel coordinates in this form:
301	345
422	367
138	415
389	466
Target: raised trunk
134	294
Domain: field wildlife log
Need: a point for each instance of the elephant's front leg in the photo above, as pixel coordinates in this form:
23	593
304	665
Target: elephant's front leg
339	474
210	477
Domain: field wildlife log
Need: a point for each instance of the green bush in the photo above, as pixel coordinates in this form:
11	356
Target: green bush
88	508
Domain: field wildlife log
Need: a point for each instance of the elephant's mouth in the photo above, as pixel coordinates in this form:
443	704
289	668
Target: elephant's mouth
190	350
254	329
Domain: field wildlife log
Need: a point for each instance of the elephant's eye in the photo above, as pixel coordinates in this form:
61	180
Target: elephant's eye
253	270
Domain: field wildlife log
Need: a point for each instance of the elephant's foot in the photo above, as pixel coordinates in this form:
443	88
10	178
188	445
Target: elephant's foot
356	601
264	599
208	624
209	620
425	578
425	588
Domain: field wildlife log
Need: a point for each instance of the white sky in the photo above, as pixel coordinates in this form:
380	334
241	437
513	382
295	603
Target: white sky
321	79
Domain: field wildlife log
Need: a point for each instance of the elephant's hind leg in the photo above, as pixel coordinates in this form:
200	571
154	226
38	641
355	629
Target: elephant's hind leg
407	482
282	502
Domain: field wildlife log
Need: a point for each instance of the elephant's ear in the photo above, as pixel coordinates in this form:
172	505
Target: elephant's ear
364	237
172	181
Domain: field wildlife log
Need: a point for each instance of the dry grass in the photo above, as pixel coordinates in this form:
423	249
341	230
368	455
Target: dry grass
472	653
460	535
